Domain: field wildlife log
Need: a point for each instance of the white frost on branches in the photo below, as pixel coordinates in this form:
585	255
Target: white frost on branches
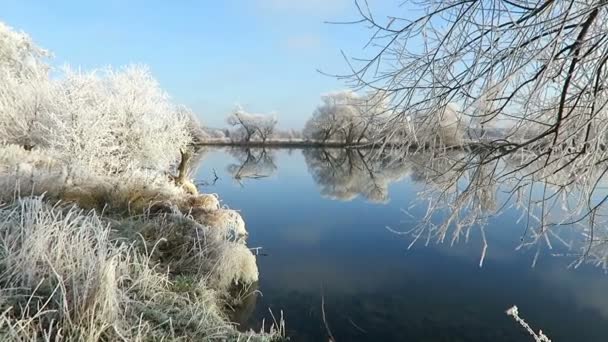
110	120
540	337
252	126
346	116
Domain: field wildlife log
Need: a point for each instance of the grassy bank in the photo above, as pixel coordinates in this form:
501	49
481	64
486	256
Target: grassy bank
103	237
129	257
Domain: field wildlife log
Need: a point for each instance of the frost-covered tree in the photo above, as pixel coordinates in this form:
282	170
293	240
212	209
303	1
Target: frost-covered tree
19	55
291	134
536	69
195	128
216	133
25	93
252	126
116	119
346	117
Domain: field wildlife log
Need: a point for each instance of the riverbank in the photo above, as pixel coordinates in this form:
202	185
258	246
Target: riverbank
304	144
103	236
280	144
128	257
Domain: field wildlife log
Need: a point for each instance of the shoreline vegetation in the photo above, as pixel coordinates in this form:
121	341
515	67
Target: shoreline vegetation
345	119
103	236
281	144
329	144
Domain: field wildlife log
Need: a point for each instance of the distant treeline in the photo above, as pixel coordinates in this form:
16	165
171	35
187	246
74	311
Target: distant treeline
342	119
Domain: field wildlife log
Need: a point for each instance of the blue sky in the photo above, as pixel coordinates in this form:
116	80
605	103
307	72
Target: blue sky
209	55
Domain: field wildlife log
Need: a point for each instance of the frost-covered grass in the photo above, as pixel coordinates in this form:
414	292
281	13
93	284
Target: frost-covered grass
99	240
65	278
140	214
125	242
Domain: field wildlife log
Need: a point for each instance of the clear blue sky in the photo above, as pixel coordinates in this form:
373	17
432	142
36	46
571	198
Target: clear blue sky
209	55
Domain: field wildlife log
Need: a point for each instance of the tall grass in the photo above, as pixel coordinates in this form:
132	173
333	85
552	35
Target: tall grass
64	278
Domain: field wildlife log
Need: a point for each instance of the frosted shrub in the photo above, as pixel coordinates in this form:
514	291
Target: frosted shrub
195	129
116	120
110	120
19	56
25	92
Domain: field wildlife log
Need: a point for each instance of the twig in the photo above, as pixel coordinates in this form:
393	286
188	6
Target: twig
331	336
514	312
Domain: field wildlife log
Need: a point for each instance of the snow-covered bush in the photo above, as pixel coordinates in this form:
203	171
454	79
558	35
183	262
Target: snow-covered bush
19	55
110	120
196	130
116	120
25	90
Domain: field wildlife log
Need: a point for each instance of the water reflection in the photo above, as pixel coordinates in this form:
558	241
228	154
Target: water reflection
455	199
252	163
312	214
345	174
341	174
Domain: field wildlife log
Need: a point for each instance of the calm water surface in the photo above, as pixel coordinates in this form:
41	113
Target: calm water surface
321	221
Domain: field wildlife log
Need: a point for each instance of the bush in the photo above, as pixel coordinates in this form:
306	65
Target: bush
109	120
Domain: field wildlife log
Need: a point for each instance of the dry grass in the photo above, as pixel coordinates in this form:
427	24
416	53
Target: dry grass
65	279
133	257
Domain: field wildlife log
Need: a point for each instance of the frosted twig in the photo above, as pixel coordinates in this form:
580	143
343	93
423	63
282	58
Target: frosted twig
540	337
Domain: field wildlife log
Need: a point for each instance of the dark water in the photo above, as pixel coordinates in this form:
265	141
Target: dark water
321	221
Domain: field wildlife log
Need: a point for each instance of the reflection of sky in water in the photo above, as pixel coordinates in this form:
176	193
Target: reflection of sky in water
377	290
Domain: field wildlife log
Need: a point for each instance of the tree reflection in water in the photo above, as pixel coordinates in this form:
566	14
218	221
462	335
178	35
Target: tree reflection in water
252	163
344	174
460	190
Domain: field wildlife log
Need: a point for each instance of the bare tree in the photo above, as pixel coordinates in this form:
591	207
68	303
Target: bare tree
252	126
536	69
